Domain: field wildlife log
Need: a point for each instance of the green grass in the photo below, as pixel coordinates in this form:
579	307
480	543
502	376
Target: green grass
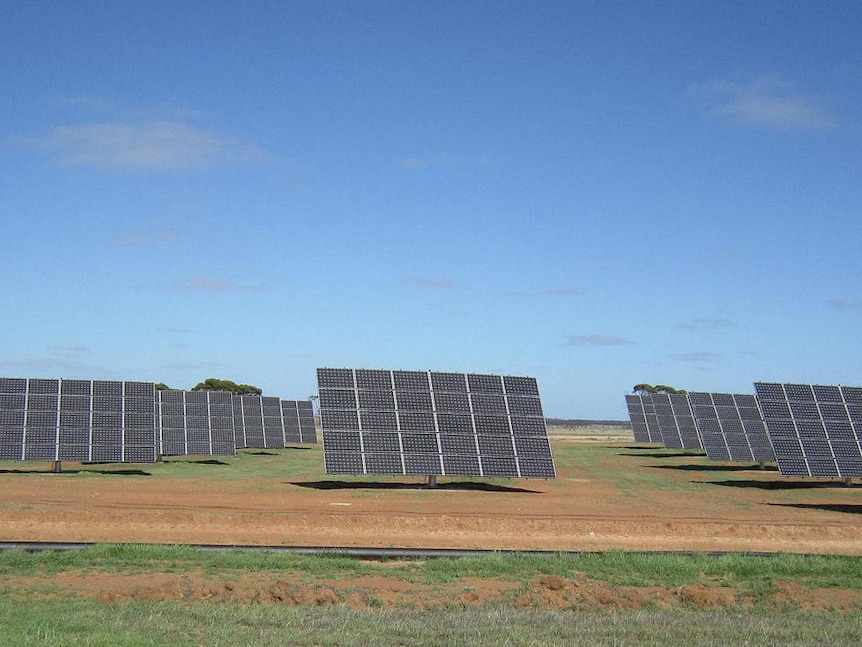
80	622
618	568
49	616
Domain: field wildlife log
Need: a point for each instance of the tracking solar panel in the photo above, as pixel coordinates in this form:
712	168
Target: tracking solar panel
815	430
298	418
731	427
77	420
258	421
196	422
432	423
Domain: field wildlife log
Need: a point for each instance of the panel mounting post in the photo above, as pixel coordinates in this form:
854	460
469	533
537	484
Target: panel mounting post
57	467
432	480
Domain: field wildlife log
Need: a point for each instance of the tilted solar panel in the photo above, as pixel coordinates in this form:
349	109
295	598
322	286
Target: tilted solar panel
77	420
196	423
731	427
815	430
432	423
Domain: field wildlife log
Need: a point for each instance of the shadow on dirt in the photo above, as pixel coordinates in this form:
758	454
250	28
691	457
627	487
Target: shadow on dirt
680	454
116	472
467	486
828	507
203	461
713	467
780	485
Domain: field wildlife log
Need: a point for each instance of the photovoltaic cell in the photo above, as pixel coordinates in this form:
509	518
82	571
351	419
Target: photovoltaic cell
77	420
815	430
196	423
668	419
429	423
643	418
731	427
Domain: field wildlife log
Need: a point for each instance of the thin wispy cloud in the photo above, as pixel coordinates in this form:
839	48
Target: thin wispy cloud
146	237
706	323
430	283
696	357
842	304
210	284
765	103
544	292
445	160
595	340
149	145
72	349
57	366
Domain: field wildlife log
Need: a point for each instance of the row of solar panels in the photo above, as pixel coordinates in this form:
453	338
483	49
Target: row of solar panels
118	421
808	430
378	421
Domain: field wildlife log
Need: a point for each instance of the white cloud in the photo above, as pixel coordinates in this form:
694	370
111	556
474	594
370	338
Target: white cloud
146	237
706	323
148	145
766	103
697	357
842	304
430	283
595	340
209	284
446	160
544	292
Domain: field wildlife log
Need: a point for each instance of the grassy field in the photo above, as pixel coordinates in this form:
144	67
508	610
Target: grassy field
36	610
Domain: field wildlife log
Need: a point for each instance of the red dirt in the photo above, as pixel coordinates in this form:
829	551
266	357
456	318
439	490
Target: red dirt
693	506
758	511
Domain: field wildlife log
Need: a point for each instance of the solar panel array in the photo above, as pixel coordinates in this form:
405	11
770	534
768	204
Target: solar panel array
77	420
124	421
298	416
815	430
432	423
258	422
731	427
196	422
663	418
642	416
675	421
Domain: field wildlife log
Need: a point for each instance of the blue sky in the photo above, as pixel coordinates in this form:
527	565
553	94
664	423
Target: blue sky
596	194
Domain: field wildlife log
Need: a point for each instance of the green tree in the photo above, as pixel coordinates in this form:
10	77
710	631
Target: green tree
215	384
643	389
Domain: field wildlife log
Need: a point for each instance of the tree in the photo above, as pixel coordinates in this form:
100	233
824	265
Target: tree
215	384
161	386
643	389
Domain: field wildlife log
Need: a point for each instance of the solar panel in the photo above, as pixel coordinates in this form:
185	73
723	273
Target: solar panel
731	427
815	430
664	418
432	423
77	420
196	423
298	418
637	416
259	423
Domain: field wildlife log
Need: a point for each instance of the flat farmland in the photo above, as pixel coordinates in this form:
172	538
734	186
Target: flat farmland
610	494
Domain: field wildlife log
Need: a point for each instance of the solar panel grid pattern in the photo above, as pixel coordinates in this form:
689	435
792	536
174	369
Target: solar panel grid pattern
77	420
258	422
298	418
196	423
815	430
731	427
675	420
430	423
643	419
